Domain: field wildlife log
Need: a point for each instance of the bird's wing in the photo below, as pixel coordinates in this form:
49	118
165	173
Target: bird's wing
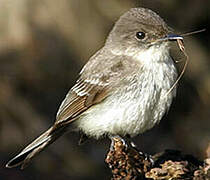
98	79
84	94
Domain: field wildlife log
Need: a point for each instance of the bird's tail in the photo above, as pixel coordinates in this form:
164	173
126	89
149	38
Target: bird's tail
36	146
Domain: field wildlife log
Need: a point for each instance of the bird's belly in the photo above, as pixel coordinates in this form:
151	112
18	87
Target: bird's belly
130	113
136	106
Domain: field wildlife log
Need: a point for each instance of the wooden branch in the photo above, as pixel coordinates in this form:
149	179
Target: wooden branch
128	163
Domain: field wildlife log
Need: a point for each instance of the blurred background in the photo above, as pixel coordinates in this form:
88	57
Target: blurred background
44	44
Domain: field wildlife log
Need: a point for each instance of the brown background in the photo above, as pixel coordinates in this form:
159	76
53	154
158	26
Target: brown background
44	44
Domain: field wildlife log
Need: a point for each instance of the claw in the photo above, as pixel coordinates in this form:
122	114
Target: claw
133	144
149	158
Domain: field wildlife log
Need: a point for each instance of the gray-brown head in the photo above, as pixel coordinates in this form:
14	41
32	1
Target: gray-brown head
140	28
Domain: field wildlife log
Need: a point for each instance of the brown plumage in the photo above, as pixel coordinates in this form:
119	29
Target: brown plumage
77	102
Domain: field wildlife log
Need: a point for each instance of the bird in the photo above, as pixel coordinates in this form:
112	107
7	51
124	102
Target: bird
123	89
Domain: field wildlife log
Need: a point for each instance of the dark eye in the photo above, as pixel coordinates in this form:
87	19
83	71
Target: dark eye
140	35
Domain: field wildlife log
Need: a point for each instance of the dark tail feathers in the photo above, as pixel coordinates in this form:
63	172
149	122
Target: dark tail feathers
35	147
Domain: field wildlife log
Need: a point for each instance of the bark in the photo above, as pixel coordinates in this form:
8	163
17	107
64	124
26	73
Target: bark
126	162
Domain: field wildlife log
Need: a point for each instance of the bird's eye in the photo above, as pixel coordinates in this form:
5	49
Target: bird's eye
140	35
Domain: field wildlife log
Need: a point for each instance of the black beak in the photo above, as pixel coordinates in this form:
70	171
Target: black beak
172	37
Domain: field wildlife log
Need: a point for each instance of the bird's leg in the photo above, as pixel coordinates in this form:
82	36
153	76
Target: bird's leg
127	142
130	142
133	145
128	145
113	140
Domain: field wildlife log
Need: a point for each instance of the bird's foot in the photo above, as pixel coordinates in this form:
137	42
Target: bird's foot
115	138
148	157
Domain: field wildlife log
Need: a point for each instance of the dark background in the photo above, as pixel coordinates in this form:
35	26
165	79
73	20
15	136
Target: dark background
44	44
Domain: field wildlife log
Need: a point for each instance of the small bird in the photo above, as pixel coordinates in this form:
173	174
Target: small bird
124	88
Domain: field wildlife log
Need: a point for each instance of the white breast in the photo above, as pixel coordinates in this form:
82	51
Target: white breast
139	106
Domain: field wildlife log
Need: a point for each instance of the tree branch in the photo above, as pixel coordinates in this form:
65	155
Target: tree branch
128	163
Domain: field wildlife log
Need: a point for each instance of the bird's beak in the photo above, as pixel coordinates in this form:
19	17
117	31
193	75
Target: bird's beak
171	37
